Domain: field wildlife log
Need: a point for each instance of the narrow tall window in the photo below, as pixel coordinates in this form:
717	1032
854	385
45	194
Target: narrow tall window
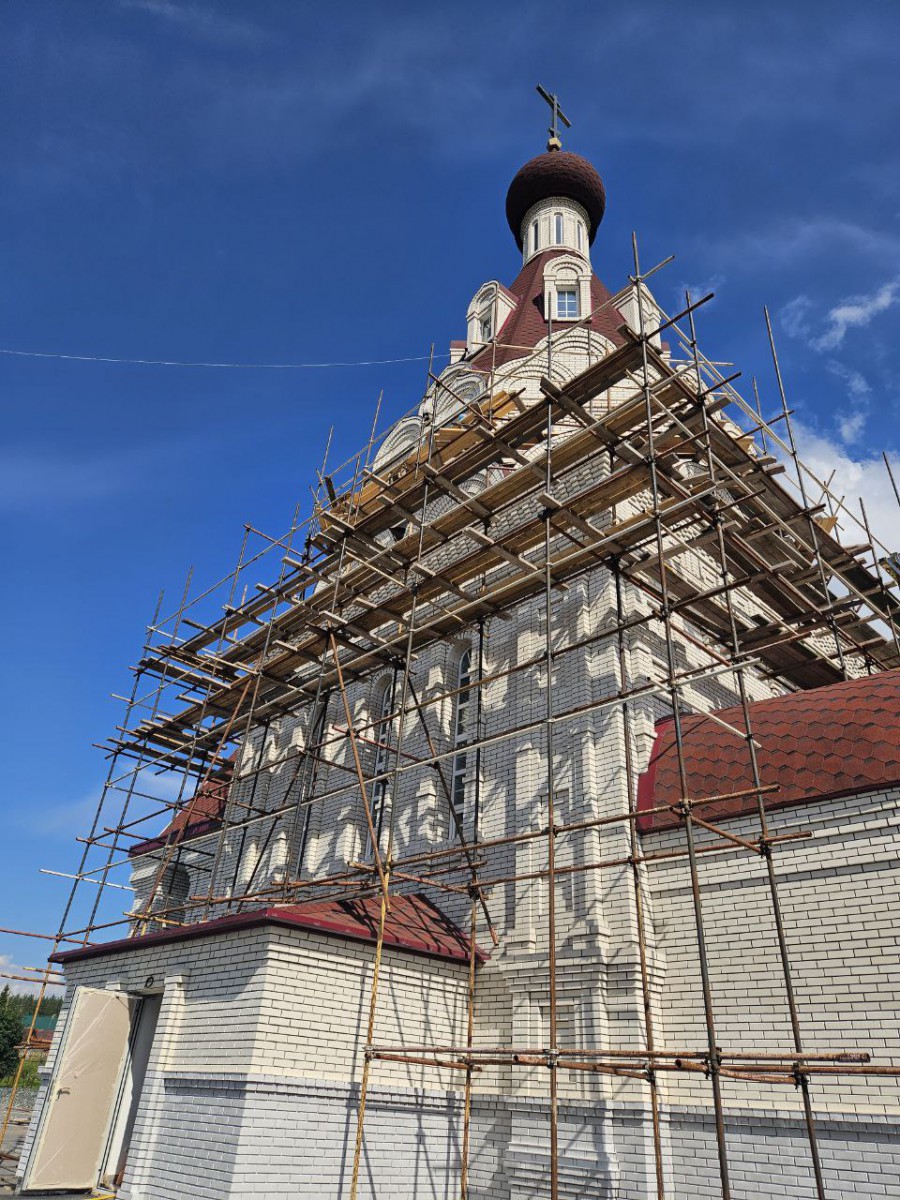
558	229
535	236
579	234
485	326
567	303
382	755
461	723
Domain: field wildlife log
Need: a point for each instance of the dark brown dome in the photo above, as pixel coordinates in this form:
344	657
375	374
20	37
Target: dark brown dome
556	173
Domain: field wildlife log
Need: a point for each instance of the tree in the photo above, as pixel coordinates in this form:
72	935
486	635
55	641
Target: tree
10	1036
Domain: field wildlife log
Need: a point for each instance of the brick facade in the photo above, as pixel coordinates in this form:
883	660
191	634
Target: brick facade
254	1074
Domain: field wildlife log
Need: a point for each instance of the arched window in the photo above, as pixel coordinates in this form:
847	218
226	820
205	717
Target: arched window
535	236
461	730
558	228
382	754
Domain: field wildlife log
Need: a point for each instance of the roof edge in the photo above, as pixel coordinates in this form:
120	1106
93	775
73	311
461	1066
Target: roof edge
277	915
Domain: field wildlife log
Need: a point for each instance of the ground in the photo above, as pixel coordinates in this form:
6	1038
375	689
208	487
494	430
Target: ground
11	1143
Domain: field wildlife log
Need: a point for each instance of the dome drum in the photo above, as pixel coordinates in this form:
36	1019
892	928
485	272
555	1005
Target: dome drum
557	173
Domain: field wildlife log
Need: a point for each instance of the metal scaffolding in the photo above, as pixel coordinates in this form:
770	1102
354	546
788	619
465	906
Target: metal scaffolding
399	558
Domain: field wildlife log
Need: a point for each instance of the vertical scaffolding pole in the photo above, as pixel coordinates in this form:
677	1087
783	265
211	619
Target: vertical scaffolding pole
764	842
407	665
630	775
686	815
553	1054
473	926
470	1035
798	467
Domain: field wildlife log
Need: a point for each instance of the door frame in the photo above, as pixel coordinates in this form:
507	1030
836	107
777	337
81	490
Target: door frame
111	1148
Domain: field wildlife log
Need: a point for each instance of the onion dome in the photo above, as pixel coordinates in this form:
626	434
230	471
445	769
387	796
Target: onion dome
556	173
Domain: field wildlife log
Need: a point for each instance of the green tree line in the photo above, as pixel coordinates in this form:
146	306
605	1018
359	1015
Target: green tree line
14	1008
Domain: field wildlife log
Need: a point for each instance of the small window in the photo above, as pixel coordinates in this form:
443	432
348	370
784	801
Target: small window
579	234
558	229
567	304
485	327
535	237
461	722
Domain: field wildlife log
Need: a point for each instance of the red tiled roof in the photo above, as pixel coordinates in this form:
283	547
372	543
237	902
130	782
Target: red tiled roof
202	814
413	924
819	744
525	326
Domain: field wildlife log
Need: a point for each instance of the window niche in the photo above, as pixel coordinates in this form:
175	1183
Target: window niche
490	307
567	289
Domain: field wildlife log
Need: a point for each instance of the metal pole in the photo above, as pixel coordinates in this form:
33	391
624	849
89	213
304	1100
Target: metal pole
686	814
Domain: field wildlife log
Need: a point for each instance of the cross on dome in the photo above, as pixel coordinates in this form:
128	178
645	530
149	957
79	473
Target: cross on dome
558	115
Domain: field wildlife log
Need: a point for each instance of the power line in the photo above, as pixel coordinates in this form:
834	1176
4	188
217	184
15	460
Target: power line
244	366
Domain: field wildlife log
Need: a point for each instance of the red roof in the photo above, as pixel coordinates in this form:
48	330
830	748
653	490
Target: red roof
413	924
525	326
819	744
202	814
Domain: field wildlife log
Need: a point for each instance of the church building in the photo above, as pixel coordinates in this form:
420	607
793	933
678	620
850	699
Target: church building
539	835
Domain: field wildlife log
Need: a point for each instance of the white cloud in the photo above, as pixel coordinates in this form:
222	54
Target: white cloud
852	425
857	384
851	420
795	317
784	243
8	966
699	288
854	477
200	21
855	312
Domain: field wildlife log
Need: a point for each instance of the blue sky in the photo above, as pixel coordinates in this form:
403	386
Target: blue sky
291	182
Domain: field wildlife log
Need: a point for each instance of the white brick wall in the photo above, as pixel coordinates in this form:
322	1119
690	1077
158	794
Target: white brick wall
261	1019
840	894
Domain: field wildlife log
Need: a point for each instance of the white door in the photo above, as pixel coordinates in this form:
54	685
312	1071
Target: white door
72	1134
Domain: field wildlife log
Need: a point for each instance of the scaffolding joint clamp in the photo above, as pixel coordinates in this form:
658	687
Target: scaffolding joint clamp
552	1059
712	1063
